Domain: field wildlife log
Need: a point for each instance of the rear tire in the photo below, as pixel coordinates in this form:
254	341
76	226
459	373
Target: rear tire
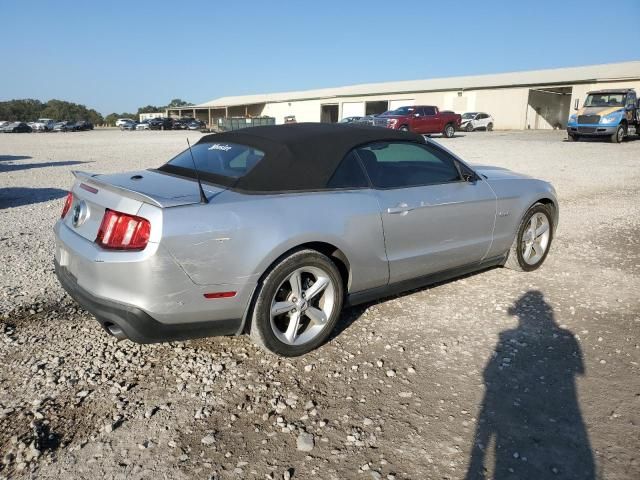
449	130
490	127
288	289
533	240
618	137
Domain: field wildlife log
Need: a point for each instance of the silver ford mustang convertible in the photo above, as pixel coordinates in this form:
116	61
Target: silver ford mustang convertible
272	230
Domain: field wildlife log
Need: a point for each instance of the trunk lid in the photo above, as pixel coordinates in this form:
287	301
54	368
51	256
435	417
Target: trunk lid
128	193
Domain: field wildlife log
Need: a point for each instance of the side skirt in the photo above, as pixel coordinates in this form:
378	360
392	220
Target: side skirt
411	284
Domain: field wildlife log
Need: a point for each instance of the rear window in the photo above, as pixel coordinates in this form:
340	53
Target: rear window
215	160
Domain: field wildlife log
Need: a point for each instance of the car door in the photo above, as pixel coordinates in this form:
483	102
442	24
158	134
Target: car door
419	120
630	107
484	120
431	121
433	219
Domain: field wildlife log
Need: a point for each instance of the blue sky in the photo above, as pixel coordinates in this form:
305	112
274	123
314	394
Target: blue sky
117	55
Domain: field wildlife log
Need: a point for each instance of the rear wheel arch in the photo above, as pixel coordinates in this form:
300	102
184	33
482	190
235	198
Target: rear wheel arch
335	254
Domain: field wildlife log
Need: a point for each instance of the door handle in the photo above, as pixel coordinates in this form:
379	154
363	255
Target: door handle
401	208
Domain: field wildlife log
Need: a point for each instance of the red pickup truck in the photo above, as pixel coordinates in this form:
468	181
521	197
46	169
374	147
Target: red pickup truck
420	119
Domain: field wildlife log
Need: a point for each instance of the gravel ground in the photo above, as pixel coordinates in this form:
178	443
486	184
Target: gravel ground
495	375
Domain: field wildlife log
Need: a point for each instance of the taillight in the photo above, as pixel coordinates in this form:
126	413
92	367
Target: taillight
119	231
67	204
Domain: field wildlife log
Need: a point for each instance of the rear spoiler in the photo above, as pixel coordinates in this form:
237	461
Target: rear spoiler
94	179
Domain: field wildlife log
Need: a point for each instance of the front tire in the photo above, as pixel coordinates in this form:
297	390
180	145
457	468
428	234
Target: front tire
449	130
469	127
618	137
298	304
573	138
533	240
404	128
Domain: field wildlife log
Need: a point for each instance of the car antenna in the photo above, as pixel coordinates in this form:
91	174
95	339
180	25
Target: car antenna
203	197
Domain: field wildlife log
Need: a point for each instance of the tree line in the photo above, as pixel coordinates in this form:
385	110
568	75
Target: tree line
28	110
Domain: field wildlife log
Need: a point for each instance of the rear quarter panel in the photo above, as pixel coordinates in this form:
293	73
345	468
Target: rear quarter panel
235	238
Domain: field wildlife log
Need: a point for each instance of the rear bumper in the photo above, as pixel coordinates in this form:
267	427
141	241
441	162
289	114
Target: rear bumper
136	324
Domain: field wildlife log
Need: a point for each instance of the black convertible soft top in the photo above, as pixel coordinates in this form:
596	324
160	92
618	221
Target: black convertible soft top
301	156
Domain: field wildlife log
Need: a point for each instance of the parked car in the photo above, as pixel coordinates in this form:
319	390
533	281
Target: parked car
476	120
425	119
16	127
122	121
196	125
290	119
160	124
144	125
129	125
362	213
367	120
64	126
4	123
83	125
350	120
43	125
182	123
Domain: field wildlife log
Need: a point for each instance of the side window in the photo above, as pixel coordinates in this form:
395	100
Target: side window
349	174
429	110
402	164
245	160
482	116
631	99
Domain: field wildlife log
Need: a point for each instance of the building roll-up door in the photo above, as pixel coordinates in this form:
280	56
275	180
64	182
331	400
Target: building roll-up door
394	104
352	109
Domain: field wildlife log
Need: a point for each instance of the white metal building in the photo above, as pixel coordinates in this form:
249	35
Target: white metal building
149	116
537	99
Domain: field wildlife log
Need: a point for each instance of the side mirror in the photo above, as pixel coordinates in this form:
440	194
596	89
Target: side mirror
576	106
468	177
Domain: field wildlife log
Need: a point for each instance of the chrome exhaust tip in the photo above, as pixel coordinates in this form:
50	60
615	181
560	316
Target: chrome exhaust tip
116	331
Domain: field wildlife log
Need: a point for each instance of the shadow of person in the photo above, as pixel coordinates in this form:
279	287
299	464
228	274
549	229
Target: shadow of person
529	424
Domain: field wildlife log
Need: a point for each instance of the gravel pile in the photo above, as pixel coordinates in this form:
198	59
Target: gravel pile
543	366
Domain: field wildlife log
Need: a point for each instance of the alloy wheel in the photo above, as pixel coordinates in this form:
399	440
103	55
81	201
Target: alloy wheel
535	239
302	305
